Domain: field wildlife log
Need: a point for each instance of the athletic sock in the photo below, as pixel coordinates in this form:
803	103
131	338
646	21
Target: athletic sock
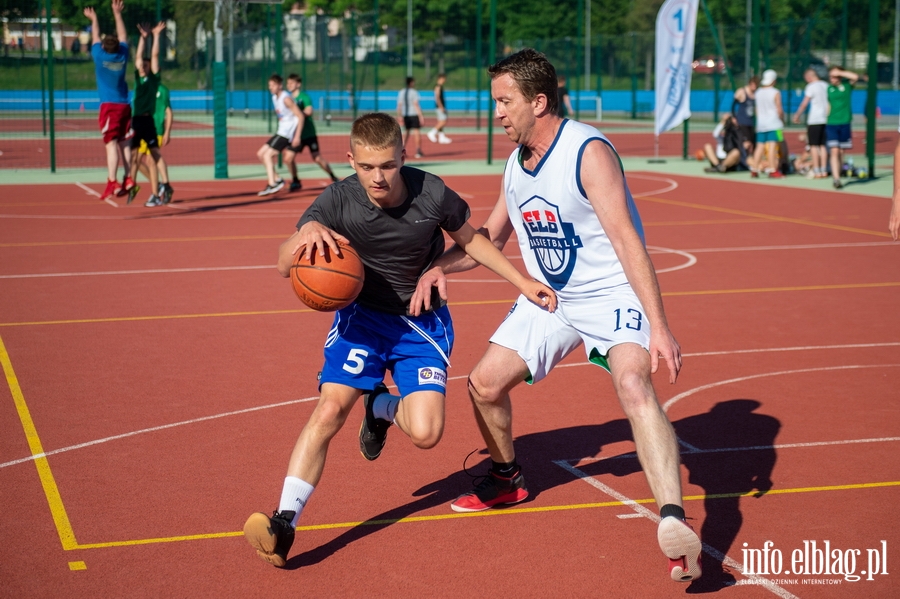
385	406
294	496
505	469
670	509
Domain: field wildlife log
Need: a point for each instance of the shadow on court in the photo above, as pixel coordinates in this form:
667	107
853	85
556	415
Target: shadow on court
733	456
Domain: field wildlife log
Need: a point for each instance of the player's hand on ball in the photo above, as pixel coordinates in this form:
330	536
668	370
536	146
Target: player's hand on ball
315	236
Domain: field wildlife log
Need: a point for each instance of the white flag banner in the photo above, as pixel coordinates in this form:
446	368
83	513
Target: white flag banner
676	25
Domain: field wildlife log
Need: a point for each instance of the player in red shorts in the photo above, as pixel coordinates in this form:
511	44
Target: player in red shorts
110	54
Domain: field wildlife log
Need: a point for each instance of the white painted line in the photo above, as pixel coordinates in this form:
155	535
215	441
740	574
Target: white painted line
156	428
741	379
696	450
626	516
135	272
672	185
111	202
641	511
90	192
691	259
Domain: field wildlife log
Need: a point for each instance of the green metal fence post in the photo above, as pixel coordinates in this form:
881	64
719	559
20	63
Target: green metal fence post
50	86
377	31
684	142
43	83
478	64
492	51
872	92
353	94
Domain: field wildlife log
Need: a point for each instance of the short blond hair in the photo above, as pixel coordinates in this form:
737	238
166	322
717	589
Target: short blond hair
376	130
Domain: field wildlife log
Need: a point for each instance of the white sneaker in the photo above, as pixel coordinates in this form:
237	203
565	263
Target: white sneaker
682	546
444	139
432	136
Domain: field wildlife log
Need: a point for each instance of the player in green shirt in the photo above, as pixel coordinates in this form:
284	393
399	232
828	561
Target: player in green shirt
308	138
837	130
147	82
162	118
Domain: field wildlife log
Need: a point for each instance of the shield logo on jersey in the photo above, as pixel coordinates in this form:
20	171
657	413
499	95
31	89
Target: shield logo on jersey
554	242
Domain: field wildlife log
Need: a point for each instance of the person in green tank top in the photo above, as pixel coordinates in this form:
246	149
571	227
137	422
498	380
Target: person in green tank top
162	118
308	138
837	129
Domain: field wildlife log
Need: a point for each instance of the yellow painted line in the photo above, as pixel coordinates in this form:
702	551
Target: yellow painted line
771	217
472	303
724	221
77	566
51	491
146	240
502	512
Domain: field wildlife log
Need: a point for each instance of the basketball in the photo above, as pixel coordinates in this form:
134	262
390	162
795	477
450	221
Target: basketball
328	283
701	155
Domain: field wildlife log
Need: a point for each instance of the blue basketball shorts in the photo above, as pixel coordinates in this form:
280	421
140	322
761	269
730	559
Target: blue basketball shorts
363	344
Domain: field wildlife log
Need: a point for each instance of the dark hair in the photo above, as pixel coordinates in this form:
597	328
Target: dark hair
295	77
410	80
276	78
110	44
533	73
754	80
376	130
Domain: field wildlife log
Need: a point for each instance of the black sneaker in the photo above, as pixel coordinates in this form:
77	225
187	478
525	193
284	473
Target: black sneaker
296	185
169	191
493	490
153	201
334	179
837	184
372	431
271	537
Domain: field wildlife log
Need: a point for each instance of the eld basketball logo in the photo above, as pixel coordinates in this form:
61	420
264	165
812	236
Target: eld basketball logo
432	376
554	243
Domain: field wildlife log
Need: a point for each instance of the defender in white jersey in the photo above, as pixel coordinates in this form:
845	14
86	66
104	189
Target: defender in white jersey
565	195
290	123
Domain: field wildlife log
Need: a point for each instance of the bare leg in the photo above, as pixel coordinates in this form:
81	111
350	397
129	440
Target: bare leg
125	153
654	436
498	371
835	163
154	172
163	170
421	416
112	160
323	164
711	154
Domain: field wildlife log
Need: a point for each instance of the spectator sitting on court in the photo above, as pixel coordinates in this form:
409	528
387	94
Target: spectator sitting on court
804	163
730	153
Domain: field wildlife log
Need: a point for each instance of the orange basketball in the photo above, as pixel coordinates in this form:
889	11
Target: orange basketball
328	283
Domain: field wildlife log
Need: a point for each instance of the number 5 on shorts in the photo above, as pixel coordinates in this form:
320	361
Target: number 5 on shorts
356	361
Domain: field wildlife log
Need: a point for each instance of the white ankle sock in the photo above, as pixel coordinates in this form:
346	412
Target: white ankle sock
385	406
294	496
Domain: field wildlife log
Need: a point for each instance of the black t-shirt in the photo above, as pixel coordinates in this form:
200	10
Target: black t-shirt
397	244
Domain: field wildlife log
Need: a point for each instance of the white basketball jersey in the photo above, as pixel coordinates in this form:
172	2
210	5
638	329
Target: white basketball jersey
560	236
287	120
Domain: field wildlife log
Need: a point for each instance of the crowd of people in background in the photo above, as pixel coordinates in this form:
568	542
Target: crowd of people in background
751	137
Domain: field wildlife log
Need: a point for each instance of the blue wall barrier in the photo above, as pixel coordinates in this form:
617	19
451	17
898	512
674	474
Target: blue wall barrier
457	101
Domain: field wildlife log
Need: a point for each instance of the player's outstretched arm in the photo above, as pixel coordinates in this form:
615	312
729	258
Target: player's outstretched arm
91	14
142	43
481	249
154	49
497	229
604	183
314	236
117	7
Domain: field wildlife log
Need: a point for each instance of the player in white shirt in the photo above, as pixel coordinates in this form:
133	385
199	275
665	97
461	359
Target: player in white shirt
290	123
816	97
565	195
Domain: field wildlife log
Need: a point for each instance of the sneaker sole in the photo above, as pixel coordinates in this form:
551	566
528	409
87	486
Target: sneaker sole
258	533
512	499
362	448
682	546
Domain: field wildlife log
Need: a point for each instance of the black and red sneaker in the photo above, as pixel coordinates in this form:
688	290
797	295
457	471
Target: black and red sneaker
494	490
682	546
271	537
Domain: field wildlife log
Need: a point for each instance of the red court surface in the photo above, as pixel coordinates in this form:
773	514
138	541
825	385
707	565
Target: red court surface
189	149
158	371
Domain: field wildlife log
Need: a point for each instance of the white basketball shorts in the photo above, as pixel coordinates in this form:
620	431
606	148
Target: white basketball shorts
542	339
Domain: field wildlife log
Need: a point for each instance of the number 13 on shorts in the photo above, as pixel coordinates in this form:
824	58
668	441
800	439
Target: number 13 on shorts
629	319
